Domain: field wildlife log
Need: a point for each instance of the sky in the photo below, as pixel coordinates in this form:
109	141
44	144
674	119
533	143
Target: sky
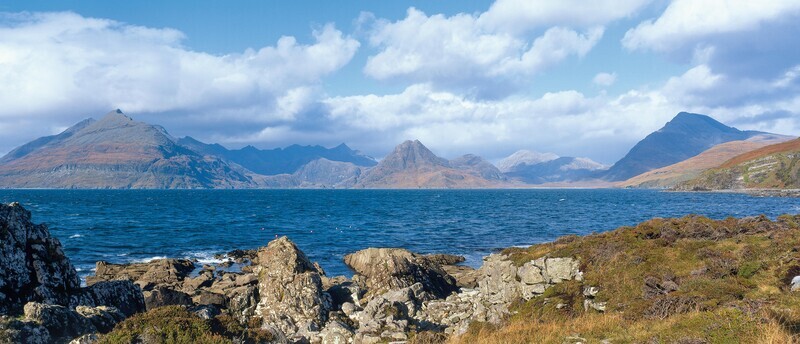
575	78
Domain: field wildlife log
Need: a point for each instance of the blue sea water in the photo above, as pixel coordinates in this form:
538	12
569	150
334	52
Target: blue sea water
137	225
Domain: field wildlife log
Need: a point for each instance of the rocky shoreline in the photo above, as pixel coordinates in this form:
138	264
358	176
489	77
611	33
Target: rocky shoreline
661	281
279	292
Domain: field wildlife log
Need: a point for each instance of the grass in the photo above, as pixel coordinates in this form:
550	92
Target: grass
176	325
732	280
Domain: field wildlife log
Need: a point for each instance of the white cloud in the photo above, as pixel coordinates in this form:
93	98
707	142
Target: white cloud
605	79
740	38
516	16
603	127
66	66
463	52
686	20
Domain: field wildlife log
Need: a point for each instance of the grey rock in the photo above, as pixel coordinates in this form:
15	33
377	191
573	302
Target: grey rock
103	318
530	274
23	331
388	269
122	295
33	264
336	332
86	339
291	298
60	321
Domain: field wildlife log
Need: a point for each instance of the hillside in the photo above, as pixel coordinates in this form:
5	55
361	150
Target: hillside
685	280
412	165
771	167
683	137
115	152
671	175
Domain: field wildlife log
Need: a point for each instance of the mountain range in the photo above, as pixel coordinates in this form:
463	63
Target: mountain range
683	137
118	152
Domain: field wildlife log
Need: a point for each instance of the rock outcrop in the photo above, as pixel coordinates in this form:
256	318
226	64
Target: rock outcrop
291	299
386	269
41	300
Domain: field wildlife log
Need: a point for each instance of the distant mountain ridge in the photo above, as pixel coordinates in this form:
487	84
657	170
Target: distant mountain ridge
279	160
115	152
685	136
541	168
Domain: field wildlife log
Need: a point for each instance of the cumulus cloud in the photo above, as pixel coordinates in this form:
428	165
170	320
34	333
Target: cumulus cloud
604	79
518	16
66	66
469	53
602	127
741	37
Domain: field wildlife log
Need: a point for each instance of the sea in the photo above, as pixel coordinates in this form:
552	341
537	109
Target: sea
123	226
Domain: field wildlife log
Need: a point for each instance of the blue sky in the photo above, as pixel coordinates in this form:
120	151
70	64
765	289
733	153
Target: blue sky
575	78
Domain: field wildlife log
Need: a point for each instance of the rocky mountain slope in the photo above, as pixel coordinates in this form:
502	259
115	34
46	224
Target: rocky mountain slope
115	152
683	137
772	167
412	165
279	160
670	176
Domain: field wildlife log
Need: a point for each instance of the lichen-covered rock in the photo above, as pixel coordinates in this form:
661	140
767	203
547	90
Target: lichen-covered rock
387	269
14	330
33	266
103	318
122	295
291	298
60	321
336	332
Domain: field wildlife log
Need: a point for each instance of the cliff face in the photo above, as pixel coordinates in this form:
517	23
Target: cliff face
115	152
40	288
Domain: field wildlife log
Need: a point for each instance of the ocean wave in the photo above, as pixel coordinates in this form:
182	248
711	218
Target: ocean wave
75	236
205	257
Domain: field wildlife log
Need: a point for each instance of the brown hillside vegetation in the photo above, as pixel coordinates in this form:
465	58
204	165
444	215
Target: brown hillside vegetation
670	175
793	145
687	280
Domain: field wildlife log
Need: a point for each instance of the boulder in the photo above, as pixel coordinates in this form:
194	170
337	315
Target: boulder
337	332
60	322
13	330
291	298
387	269
122	295
33	266
164	296
103	318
